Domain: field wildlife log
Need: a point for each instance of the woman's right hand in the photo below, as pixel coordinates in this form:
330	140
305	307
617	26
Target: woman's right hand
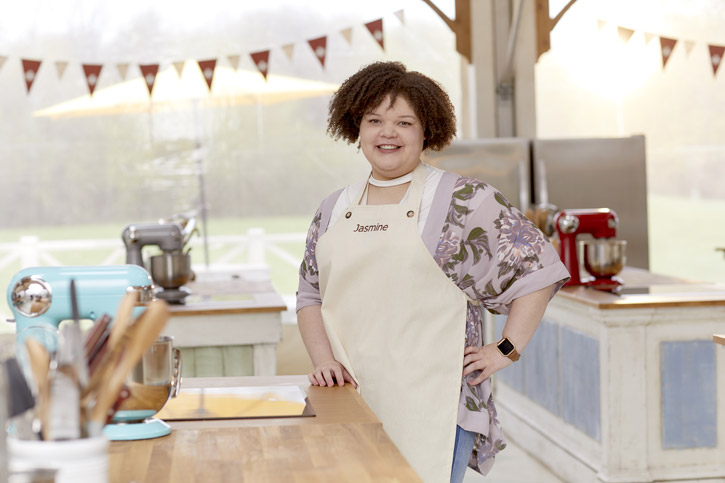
329	372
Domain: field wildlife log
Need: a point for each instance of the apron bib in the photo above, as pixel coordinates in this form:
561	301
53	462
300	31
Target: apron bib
397	324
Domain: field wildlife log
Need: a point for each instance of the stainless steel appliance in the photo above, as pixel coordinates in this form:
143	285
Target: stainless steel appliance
566	173
504	163
170	269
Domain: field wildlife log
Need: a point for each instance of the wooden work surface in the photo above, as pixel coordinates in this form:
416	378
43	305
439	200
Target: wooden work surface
345	441
228	293
719	339
662	291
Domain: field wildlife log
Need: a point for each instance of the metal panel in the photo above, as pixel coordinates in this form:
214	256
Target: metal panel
689	401
502	162
541	367
598	173
580	382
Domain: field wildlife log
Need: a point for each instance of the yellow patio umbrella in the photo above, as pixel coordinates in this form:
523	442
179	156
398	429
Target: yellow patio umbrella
173	92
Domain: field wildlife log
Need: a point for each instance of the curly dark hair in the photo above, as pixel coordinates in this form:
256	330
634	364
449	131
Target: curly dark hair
368	87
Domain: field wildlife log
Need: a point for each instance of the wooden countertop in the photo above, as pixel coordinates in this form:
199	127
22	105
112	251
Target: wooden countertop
228	293
719	338
345	441
643	289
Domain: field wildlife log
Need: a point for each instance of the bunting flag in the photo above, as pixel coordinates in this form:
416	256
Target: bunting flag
122	70
30	71
625	34
376	30
319	47
347	34
601	24
179	67
648	37
3	58
60	66
667	45
234	61
716	52
689	44
92	72
149	72
289	51
261	60
207	69
401	16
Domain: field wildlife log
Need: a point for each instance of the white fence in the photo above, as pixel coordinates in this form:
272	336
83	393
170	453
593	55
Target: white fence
251	247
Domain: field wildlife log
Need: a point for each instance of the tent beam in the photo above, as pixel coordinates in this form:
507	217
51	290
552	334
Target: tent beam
461	26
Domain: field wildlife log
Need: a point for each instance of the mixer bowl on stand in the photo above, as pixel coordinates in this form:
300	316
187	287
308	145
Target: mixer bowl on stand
154	380
171	271
604	258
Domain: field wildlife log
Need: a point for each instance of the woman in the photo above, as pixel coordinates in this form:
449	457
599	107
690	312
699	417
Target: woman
396	270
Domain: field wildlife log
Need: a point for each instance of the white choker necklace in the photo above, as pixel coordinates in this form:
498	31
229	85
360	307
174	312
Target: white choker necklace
391	182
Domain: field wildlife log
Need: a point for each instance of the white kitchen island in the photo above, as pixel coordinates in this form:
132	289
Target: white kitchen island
627	388
229	326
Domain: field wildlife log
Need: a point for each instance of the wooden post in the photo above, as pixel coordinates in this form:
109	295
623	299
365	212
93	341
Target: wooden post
545	24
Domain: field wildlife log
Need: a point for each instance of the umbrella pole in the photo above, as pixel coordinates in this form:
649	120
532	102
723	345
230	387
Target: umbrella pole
202	191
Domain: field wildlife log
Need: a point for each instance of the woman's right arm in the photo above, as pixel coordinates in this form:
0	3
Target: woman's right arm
327	371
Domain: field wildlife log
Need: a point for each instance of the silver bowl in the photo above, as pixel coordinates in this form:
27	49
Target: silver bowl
604	257
154	380
171	270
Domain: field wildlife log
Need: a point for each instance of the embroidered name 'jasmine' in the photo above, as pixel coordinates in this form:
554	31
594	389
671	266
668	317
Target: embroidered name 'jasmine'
376	227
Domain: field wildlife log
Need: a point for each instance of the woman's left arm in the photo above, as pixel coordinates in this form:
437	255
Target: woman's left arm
523	319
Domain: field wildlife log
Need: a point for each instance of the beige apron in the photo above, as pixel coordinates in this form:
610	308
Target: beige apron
397	323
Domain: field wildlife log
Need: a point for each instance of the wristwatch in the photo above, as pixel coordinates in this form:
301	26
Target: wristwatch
508	349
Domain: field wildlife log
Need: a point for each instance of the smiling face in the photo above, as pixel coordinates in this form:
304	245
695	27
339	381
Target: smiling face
391	139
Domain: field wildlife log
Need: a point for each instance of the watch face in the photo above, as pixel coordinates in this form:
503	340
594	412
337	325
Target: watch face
505	346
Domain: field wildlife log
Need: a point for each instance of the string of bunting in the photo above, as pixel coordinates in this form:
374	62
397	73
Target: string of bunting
667	45
260	59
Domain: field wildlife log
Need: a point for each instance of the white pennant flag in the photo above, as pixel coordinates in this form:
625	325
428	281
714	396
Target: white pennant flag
289	50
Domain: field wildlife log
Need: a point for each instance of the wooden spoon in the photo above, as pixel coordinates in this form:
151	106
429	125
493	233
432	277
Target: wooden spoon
138	338
40	366
124	317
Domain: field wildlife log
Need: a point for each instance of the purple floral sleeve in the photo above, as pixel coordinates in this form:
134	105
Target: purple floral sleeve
308	292
492	252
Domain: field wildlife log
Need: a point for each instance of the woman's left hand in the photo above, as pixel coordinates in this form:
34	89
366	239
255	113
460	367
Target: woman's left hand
487	359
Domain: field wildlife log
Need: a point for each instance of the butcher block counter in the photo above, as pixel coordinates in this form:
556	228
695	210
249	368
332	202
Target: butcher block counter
622	387
344	441
230	325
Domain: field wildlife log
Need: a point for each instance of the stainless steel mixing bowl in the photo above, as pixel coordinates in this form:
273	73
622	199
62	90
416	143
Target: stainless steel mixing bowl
171	270
604	257
155	379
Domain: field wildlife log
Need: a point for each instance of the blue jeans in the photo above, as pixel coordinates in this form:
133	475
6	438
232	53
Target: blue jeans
461	453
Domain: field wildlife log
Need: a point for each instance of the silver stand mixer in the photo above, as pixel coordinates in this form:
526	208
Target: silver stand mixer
170	269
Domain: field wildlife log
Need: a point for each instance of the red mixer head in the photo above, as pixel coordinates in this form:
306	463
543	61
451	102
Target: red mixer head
599	223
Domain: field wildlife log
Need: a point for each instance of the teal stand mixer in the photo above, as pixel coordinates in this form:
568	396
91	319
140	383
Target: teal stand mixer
40	299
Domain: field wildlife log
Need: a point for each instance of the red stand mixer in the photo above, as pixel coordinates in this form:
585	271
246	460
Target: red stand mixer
604	257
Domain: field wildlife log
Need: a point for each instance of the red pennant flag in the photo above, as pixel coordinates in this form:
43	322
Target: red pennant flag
667	45
376	30
30	71
716	52
149	72
319	47
92	72
261	60
207	68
